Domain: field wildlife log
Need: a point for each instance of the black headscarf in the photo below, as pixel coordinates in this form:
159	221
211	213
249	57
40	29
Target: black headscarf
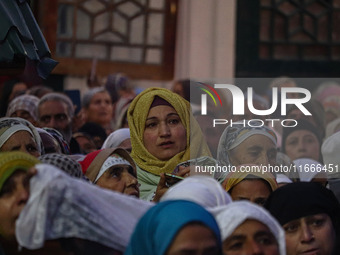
301	199
302	125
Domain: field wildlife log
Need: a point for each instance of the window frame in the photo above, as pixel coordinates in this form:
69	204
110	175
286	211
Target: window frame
81	67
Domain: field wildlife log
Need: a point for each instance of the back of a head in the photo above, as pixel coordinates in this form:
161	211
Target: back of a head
203	190
63	162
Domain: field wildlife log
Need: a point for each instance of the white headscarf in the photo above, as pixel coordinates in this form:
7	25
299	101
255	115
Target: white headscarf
9	126
309	168
231	216
112	160
116	138
60	206
203	190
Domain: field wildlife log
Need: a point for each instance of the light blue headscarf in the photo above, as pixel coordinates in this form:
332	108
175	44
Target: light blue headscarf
159	226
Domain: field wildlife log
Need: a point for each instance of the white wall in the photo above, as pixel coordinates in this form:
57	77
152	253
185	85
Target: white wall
205	46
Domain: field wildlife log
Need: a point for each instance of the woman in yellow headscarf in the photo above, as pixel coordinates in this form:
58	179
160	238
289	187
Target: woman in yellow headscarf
250	182
164	133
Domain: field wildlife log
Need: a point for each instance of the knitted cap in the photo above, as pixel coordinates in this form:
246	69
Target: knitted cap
12	161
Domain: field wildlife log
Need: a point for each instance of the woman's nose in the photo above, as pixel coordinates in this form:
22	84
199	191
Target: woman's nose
164	129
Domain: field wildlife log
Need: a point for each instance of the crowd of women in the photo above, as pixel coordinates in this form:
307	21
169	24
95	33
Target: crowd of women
120	177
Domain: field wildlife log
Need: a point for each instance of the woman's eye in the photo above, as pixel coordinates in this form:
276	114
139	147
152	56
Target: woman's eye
318	222
235	246
290	228
310	140
266	240
174	121
115	172
253	153
292	142
151	125
31	148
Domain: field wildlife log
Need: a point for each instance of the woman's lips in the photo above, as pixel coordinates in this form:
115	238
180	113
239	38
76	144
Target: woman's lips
166	145
310	252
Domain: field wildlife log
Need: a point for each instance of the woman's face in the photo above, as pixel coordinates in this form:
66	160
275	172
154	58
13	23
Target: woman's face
256	149
194	239
254	190
24	115
100	109
310	235
120	178
164	134
251	237
21	141
14	196
302	144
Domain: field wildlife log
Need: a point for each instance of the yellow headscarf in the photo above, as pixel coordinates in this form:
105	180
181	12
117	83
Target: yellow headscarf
235	178
12	161
137	114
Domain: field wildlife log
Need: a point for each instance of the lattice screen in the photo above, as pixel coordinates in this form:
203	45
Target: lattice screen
114	30
299	30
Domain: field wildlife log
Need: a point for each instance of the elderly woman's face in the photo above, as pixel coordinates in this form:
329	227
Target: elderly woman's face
164	134
194	239
21	141
256	149
251	237
100	109
313	234
24	115
120	178
302	144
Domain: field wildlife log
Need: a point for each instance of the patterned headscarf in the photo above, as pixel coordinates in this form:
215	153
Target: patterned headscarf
9	126
12	161
63	162
235	134
157	229
65	148
137	114
26	103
